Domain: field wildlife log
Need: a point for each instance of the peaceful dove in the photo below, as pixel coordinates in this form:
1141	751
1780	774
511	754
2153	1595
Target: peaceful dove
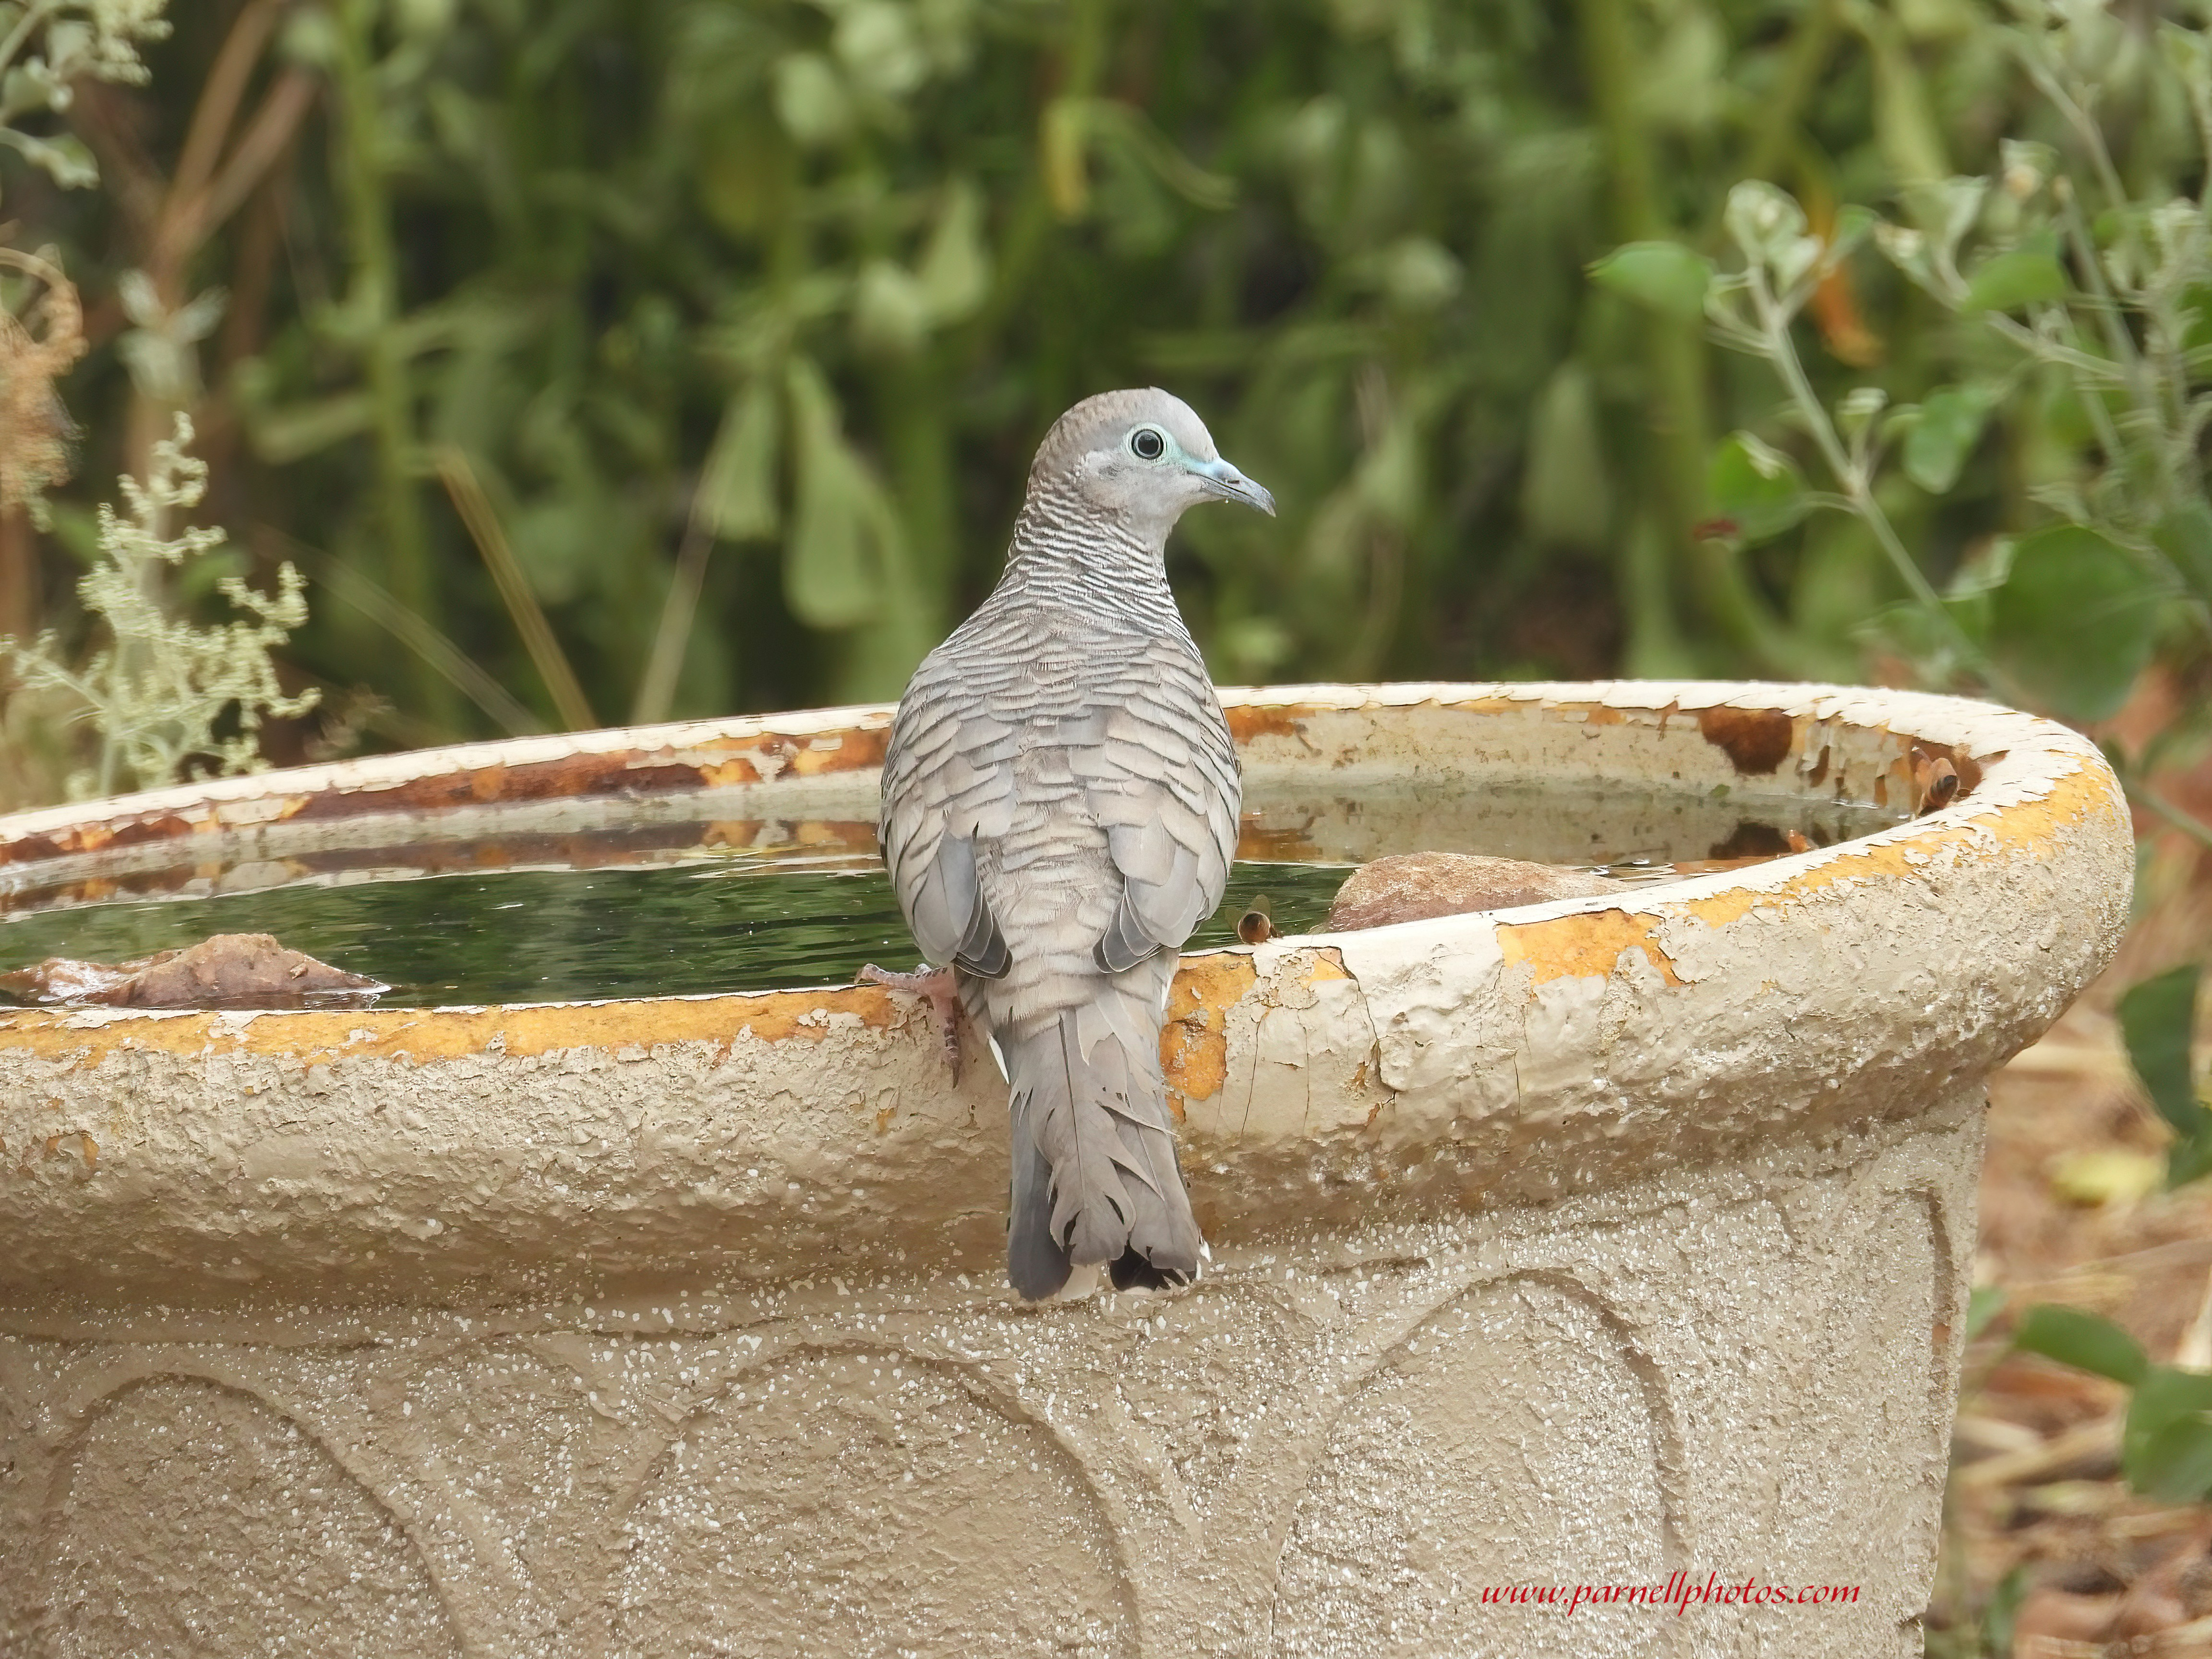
1060	811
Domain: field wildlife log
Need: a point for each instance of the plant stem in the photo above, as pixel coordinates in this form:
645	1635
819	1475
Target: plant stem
2193	828
352	588
373	302
1857	479
1674	354
537	637
672	638
33	14
1775	136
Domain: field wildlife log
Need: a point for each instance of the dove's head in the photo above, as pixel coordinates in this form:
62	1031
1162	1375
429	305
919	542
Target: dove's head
1140	456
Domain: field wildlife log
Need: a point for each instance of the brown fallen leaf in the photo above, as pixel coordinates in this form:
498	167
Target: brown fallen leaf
2159	1600
1417	886
2054	1622
228	971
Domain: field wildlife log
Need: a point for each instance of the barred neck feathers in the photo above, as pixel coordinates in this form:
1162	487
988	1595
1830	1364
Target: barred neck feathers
1066	552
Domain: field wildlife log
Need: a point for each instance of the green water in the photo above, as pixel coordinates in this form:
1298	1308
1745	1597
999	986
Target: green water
655	908
538	936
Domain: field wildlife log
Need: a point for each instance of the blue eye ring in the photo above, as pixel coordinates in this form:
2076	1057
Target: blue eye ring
1148	443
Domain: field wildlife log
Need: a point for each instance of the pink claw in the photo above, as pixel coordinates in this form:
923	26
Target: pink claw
935	986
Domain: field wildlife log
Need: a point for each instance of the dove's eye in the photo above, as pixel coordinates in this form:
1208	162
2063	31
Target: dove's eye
1148	443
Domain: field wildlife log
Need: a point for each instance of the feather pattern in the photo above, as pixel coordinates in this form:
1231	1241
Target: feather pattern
1060	811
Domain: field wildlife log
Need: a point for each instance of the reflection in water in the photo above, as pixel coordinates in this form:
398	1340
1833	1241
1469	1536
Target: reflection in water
672	908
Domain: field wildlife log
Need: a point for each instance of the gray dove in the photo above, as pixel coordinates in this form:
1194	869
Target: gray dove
1060	810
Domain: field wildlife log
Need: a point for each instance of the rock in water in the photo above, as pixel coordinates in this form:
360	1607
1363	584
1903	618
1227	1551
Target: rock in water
1060	806
1416	886
227	970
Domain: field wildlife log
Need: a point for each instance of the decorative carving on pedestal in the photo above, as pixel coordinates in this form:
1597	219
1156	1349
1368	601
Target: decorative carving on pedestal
1333	1444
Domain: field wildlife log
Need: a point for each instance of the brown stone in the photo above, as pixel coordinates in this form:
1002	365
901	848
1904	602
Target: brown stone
1416	886
227	970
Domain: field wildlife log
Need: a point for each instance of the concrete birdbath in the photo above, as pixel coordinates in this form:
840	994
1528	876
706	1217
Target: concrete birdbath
1616	1242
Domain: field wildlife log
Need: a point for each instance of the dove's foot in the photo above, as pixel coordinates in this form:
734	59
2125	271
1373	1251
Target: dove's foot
935	987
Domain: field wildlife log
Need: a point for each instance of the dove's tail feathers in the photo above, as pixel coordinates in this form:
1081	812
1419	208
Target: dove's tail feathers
1035	1260
1094	1176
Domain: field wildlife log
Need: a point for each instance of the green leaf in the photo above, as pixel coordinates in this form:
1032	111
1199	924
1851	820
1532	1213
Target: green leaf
2166	1446
287	433
736	486
2081	1339
2002	1613
2197	315
834	558
1854	224
1665	276
1984	1303
1949	427
2072	622
2190	1158
1764	221
955	271
1566	494
2020	277
2184	536
1124	124
2158	1018
2176	1463
65	159
1755	488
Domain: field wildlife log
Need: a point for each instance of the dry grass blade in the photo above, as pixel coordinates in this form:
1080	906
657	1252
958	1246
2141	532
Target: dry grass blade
538	638
656	687
2090	1442
446	660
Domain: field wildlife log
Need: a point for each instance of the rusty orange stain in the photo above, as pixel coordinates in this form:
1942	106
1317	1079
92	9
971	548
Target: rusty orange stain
1755	740
841	752
1492	705
1271	844
2027	826
726	774
316	1037
1194	1041
1600	713
1328	964
1588	945
489	782
1247	721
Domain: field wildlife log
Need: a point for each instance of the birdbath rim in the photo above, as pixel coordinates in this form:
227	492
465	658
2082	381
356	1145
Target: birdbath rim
2016	768
1579	1047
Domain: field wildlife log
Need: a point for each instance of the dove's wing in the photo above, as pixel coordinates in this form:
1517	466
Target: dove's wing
948	782
1161	780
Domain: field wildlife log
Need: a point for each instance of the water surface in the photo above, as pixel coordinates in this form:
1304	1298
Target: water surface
757	907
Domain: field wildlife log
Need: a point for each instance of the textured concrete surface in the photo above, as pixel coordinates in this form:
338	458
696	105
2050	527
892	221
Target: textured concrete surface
1582	1243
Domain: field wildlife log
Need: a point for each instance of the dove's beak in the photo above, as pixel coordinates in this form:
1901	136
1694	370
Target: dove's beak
1226	481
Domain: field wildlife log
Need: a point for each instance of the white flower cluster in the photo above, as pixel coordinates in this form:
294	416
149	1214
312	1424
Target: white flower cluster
46	45
156	690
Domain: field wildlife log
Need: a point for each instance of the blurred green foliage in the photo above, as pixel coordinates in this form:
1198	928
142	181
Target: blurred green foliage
689	354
